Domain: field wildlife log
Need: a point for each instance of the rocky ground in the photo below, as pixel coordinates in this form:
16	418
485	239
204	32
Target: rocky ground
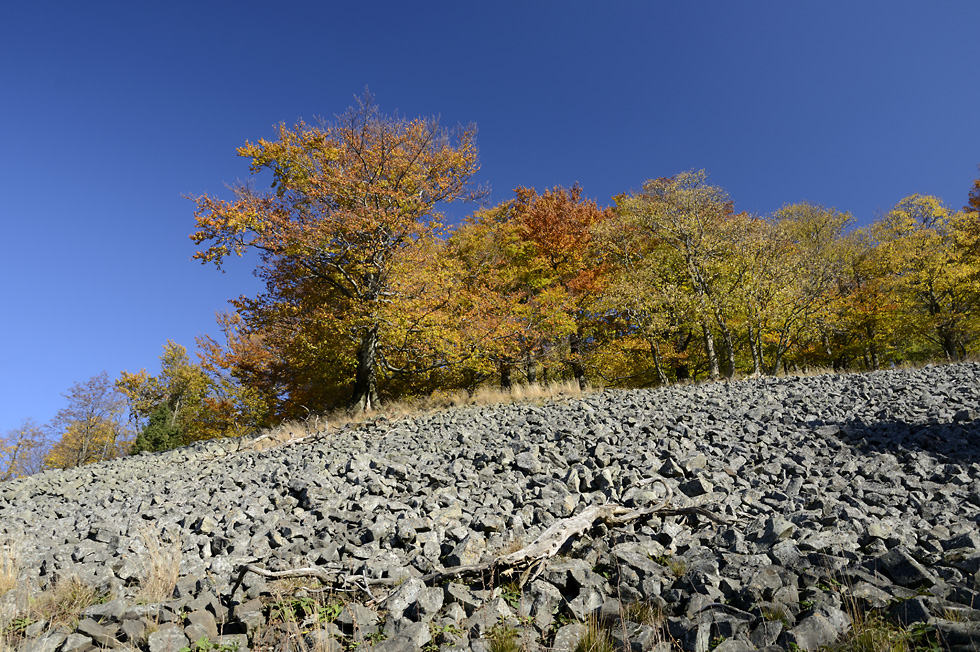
845	499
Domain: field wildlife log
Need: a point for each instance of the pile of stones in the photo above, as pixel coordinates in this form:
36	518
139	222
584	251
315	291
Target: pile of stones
844	499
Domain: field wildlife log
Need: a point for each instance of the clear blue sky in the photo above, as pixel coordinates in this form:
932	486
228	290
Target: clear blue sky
113	111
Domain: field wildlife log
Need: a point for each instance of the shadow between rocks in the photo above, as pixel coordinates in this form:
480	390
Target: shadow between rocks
956	443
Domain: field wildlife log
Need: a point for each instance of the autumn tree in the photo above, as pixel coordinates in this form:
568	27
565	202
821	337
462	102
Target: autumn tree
694	222
931	279
244	390
349	201
492	294
803	282
182	388
973	201
647	305
22	451
868	314
560	266
527	264
91	427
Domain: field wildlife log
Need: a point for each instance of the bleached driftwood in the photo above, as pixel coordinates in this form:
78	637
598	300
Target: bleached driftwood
530	558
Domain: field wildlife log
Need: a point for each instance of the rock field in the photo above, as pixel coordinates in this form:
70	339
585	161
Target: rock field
840	494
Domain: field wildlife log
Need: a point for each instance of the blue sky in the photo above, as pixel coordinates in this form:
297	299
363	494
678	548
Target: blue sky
113	112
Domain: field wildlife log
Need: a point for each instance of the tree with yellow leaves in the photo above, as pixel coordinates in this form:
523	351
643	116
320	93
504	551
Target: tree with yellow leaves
352	204
177	398
928	274
92	427
22	451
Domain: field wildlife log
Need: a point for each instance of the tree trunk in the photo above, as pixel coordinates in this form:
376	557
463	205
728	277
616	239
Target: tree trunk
756	353
662	380
872	351
729	352
531	369
714	372
681	369
949	344
575	346
505	372
365	396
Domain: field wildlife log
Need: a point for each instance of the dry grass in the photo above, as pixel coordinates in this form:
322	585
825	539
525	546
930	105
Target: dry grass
9	565
871	633
161	565
440	400
62	603
596	638
297	608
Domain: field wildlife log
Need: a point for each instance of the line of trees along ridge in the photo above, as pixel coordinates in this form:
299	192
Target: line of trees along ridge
369	295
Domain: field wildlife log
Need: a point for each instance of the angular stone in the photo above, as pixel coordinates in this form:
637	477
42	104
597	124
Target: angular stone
695	487
766	633
111	611
528	463
356	616
823	627
869	596
134	630
168	638
48	643
909	612
494	612
461	594
251	614
415	601
77	643
206	621
904	570
99	634
469	551
567	638
545	599
413	636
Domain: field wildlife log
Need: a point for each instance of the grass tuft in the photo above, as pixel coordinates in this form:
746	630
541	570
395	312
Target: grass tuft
161	566
405	408
64	602
503	638
9	566
596	638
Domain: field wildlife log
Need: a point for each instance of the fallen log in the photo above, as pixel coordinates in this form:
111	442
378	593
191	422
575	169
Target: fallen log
531	558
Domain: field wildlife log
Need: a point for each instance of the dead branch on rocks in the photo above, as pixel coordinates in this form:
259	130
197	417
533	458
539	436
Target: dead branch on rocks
530	559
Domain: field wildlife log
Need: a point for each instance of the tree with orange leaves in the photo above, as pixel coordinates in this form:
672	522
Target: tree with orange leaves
558	225
973	201
351	200
528	268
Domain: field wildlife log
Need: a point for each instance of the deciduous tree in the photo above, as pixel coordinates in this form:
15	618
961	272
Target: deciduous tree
930	280
694	221
91	427
349	199
22	451
182	387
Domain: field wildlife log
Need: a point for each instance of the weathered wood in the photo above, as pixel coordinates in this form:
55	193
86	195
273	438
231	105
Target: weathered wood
531	558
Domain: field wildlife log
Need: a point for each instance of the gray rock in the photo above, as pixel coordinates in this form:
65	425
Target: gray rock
100	635
469	551
870	480
77	643
568	637
168	638
904	570
822	627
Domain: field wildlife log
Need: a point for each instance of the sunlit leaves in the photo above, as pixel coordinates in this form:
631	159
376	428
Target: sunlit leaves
352	202
91	427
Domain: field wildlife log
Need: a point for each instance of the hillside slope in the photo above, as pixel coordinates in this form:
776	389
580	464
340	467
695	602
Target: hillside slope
839	493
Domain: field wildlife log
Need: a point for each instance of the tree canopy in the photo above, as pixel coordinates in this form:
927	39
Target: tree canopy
370	295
